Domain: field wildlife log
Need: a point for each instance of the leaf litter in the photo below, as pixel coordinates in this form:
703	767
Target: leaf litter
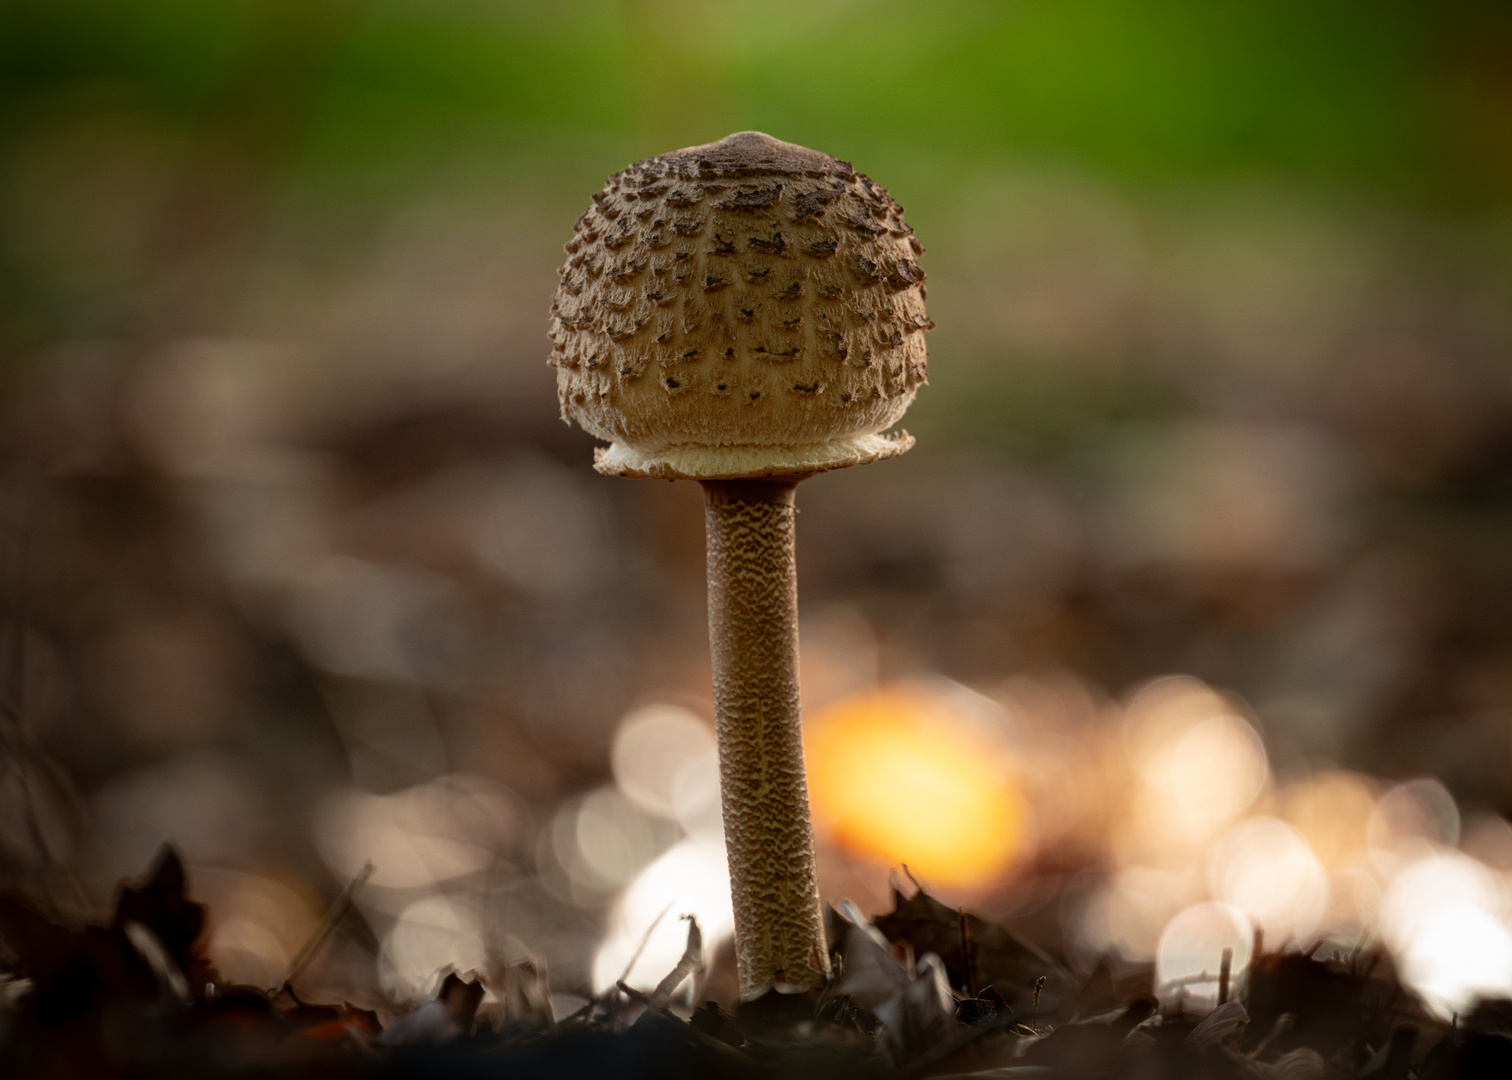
923	991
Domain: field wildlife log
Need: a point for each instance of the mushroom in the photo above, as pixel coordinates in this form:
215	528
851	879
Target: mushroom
746	314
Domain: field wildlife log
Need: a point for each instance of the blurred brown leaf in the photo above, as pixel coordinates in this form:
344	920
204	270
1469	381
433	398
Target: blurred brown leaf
999	957
162	905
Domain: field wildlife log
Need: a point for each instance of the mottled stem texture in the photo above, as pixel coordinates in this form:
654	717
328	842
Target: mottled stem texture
753	635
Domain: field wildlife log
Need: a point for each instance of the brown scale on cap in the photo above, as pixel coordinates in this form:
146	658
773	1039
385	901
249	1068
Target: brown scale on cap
742	309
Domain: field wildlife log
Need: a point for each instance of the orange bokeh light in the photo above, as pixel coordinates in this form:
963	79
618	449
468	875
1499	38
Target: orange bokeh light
900	774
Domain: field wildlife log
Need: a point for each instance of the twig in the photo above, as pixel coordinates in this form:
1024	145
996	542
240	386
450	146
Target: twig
1224	967
1039	984
323	929
580	1013
606	997
645	939
640	999
692	961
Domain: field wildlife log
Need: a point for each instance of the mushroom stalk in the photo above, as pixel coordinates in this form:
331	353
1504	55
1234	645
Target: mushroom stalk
753	638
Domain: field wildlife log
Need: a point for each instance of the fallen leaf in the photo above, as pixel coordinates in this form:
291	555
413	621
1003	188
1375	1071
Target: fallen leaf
998	956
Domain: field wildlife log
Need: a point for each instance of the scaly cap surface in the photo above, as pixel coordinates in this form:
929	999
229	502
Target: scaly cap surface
741	309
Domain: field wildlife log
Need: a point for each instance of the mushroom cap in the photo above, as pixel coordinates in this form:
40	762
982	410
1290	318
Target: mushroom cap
741	309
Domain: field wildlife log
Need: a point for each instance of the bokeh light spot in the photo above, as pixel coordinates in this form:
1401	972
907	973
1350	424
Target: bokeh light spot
1218	768
1264	868
1191	951
664	760
1459	953
430	935
434	832
1331	809
1411	821
900	775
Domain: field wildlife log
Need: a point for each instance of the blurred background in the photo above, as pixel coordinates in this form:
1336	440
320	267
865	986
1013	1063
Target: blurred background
1190	613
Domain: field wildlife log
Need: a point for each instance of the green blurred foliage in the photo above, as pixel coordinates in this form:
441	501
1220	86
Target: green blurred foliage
1406	96
356	105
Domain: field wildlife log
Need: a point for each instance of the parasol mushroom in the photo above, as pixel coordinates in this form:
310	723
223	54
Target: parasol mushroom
746	314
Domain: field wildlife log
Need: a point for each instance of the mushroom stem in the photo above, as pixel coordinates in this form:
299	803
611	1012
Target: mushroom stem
753	636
